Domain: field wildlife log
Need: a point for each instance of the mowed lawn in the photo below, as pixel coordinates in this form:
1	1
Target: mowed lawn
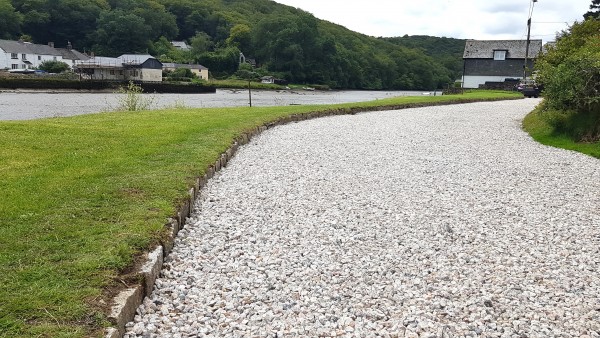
81	196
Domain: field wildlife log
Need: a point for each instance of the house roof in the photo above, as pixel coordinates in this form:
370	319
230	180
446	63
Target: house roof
20	47
119	62
100	61
71	54
183	65
180	45
484	49
134	59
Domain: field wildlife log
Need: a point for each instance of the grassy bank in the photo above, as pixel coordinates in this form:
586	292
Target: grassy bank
563	129
82	195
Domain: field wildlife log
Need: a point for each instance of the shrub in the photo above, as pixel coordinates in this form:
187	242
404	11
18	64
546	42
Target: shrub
54	66
570	72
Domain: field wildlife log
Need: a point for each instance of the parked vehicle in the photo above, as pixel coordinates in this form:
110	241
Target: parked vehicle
529	88
21	71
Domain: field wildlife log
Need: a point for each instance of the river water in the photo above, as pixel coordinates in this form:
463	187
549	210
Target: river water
27	105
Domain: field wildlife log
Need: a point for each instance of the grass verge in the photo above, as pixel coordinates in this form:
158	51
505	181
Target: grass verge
81	196
557	129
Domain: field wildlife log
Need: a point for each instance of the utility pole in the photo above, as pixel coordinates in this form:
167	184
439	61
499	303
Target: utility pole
249	93
527	49
528	40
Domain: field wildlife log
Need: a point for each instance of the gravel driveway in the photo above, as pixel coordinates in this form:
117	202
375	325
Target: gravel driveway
432	222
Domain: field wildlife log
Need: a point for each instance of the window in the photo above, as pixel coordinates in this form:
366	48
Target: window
14	66
39	57
120	72
23	67
112	72
14	56
500	55
23	56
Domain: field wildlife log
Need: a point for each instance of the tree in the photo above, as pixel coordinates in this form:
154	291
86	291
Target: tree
570	72
161	22
60	20
240	37
224	61
594	12
201	43
120	32
10	20
54	66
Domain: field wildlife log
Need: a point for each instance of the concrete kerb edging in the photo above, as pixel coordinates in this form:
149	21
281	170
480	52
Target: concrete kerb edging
125	304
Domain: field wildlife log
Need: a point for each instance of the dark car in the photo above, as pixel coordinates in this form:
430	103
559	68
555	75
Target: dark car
529	88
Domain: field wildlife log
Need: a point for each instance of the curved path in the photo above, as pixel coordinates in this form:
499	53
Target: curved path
433	222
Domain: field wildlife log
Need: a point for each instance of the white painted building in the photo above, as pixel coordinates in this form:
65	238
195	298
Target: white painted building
25	55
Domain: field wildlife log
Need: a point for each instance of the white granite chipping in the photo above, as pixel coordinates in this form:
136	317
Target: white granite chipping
433	222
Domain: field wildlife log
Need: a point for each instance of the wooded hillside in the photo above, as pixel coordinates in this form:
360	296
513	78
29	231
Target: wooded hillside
285	42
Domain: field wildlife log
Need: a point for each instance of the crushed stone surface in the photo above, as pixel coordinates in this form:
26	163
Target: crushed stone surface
442	221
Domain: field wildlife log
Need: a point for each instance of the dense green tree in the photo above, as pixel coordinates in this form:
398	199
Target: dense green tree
10	21
240	37
201	43
60	20
161	22
121	32
224	61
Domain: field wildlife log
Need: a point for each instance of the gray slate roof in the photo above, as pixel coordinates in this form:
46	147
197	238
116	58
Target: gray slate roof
484	49
10	46
71	54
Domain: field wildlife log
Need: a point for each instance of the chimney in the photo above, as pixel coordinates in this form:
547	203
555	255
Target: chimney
69	45
51	44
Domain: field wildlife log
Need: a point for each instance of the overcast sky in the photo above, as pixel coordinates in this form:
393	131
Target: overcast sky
464	19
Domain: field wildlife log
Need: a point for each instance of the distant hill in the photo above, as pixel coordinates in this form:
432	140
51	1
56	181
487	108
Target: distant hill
447	51
283	41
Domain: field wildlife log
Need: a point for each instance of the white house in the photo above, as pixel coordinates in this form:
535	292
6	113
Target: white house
134	67
497	60
26	55
181	45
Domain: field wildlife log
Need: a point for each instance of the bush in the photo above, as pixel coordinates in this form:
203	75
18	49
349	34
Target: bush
570	72
54	66
182	73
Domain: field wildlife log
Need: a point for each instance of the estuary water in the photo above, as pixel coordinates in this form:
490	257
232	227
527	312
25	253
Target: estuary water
27	105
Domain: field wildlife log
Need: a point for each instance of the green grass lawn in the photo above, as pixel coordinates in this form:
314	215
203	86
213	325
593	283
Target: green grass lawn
81	196
537	124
